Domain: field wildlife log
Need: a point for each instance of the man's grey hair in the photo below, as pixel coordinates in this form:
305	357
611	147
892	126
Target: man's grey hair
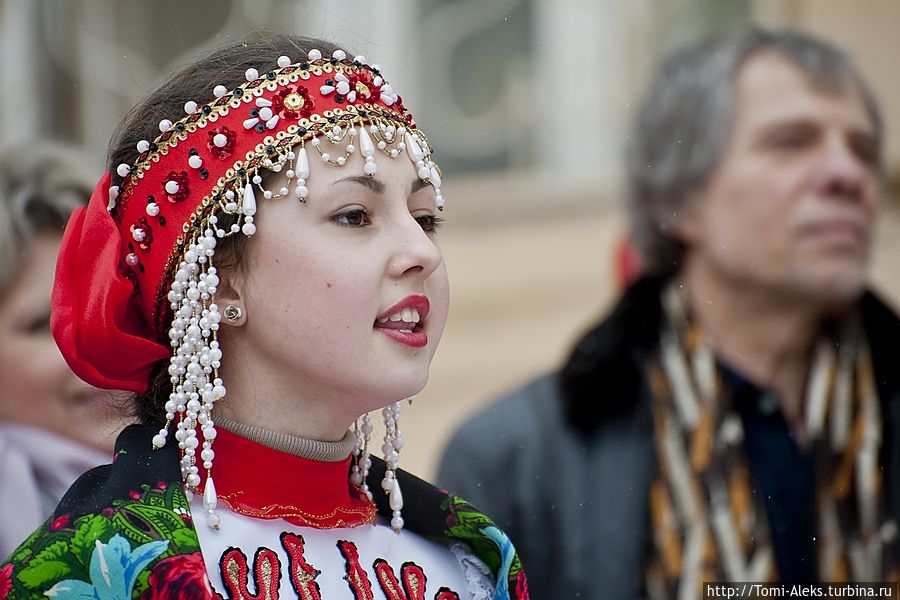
684	123
40	185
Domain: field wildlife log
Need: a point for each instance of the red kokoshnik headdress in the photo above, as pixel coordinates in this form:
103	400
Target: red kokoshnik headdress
142	252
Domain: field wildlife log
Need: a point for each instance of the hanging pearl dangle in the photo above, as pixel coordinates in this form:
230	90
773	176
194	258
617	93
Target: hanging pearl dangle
360	470
393	442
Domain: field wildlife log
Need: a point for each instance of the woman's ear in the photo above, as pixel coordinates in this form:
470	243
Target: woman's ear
230	302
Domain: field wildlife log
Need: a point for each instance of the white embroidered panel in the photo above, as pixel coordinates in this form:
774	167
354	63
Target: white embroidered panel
345	563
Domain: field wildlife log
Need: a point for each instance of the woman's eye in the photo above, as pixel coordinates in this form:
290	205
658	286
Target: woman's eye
352	218
429	223
37	325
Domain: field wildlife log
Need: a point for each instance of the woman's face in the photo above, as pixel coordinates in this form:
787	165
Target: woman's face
36	386
325	284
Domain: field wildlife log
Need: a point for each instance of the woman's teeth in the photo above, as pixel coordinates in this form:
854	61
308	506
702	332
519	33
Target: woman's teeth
407	315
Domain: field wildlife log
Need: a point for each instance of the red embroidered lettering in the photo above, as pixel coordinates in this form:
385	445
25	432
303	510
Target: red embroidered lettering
413	581
356	575
446	594
266	572
303	574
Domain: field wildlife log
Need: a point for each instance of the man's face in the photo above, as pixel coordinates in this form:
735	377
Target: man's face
791	205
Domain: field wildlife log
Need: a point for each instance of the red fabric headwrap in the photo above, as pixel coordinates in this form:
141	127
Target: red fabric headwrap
95	317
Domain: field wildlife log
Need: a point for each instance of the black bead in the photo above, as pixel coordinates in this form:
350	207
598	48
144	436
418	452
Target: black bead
179	127
333	61
254	112
339	98
206	109
141	267
329	82
301	131
153	147
204	173
332	119
131	246
270	75
363	113
270	149
304	66
242	172
237	92
260	127
150	199
162	220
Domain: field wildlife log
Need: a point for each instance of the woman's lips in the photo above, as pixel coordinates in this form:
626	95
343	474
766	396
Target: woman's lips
415	338
403	321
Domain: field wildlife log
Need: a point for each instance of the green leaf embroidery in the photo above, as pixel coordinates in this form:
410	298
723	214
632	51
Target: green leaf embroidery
90	529
42	575
184	541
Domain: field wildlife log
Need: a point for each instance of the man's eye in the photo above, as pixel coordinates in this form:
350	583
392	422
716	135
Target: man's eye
352	218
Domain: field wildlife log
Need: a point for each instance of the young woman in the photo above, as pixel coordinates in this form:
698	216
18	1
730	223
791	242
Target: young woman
262	274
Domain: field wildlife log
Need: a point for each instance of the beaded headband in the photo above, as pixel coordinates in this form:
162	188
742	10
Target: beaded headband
209	161
143	250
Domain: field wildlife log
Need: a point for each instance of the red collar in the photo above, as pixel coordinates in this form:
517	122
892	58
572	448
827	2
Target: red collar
257	481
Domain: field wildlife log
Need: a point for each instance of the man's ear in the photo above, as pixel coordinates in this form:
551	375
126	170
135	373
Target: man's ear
686	222
230	301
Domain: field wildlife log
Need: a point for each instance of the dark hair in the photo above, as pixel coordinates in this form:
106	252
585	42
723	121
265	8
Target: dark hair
227	67
685	119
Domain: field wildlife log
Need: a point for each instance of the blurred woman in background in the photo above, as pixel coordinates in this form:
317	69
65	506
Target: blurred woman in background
53	426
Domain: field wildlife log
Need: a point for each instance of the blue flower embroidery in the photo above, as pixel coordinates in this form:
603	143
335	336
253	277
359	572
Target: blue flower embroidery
114	569
507	553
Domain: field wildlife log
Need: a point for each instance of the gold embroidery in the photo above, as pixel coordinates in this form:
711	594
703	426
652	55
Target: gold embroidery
346	517
294	101
233	571
267	581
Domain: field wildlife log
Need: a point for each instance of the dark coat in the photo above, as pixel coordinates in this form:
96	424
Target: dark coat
564	464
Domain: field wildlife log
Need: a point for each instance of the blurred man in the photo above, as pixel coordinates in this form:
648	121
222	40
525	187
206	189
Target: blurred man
736	416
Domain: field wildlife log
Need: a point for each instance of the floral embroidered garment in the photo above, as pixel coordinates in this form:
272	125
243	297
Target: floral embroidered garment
127	530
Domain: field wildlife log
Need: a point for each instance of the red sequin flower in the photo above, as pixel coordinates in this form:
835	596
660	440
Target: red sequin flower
221	147
181	577
142	233
364	87
180	190
293	102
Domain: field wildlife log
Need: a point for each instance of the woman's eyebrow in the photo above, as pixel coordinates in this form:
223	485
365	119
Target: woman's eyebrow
377	186
416	185
370	183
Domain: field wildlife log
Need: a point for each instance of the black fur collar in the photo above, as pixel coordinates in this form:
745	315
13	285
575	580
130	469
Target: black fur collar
602	378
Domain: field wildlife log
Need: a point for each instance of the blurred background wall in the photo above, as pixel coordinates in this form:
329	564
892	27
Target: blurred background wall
527	101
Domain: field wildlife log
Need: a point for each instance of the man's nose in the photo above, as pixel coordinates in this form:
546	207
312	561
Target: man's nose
844	173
